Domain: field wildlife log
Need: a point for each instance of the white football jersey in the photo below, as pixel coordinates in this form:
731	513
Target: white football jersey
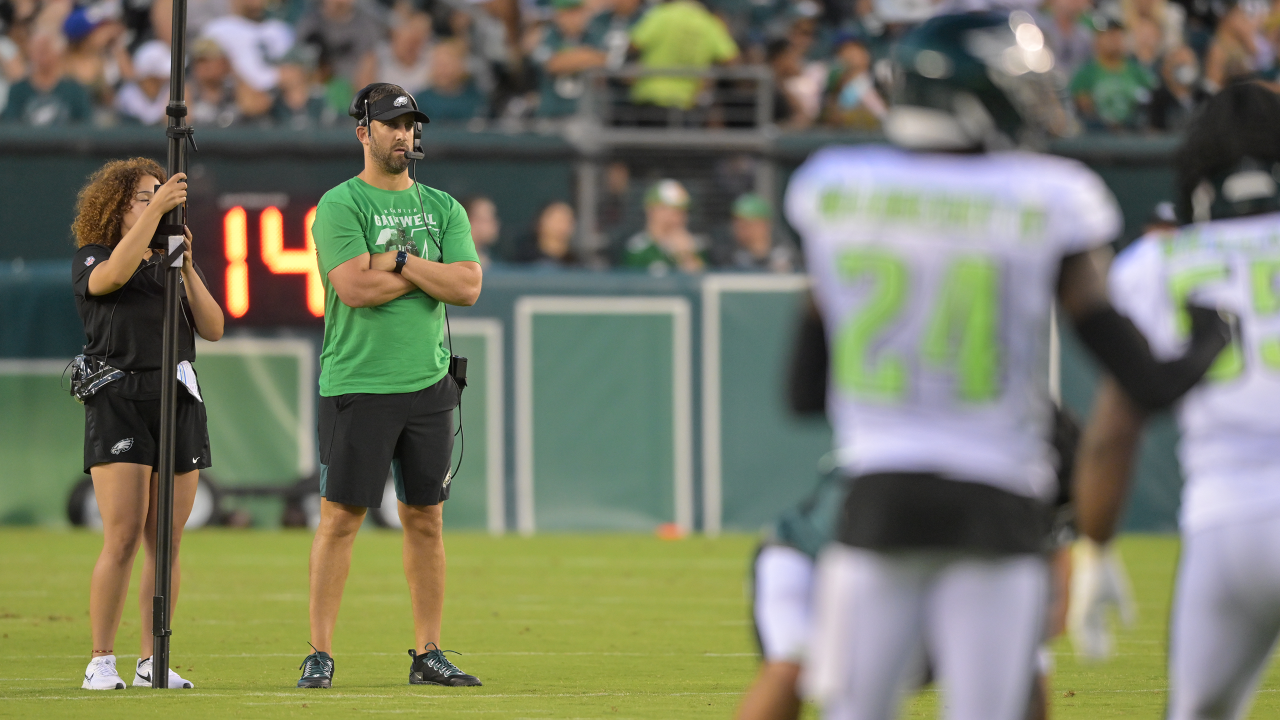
1230	422
936	275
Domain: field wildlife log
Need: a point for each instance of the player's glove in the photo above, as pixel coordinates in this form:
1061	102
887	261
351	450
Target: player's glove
1099	583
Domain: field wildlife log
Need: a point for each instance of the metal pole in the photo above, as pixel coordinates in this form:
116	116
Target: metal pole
589	206
178	133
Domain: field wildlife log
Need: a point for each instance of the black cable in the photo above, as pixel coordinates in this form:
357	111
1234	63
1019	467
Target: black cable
462	450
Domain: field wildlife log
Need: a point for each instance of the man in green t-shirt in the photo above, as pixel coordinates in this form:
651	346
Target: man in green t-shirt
1112	88
678	34
391	254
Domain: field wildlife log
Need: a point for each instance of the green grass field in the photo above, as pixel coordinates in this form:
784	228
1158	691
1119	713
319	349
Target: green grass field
606	626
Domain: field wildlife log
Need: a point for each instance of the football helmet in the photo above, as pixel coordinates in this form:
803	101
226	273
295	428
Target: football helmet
976	81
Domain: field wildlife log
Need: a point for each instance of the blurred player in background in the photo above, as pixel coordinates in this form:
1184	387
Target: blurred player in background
1226	611
935	271
782	575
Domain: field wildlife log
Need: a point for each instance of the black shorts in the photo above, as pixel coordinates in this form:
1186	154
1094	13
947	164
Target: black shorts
120	428
915	510
363	435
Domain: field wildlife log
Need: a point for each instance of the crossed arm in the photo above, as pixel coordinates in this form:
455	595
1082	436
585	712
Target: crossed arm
368	281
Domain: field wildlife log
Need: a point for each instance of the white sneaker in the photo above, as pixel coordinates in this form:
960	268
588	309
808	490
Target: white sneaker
101	674
142	676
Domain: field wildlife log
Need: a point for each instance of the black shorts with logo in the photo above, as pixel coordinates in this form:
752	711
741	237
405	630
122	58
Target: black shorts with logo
122	424
363	435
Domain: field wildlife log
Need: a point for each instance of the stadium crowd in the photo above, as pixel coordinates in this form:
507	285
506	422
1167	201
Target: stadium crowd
1129	65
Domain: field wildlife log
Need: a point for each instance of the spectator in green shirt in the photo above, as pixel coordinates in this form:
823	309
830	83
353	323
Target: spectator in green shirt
665	243
562	57
47	96
679	34
1111	89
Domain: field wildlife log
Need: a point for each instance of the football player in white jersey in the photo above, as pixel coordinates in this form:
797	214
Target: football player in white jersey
1226	611
782	575
936	266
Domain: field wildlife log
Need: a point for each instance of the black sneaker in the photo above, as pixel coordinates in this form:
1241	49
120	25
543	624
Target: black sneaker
317	670
433	668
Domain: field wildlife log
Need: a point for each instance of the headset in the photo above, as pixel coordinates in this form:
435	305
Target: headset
359	109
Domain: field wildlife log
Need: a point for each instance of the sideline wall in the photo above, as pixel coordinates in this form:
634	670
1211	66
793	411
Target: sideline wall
595	403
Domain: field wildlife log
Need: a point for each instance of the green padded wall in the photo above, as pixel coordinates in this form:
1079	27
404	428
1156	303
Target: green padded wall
467	507
41	443
256	421
603	421
253	405
769	456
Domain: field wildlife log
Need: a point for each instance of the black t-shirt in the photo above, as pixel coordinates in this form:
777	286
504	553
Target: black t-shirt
125	327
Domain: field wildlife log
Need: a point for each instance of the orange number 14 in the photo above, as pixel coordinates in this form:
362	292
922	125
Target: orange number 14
235	227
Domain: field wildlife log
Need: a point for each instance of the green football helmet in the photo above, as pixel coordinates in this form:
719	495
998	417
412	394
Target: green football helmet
977	81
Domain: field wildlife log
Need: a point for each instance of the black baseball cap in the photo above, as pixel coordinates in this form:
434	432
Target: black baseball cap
387	107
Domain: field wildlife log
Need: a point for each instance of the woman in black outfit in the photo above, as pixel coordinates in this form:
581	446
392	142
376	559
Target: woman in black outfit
119	285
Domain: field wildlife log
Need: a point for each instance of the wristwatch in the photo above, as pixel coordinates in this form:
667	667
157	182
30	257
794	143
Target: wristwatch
401	258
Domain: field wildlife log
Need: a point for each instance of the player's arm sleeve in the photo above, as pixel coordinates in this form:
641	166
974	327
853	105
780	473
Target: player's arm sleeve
457	245
807	375
339	235
1151	384
1123	350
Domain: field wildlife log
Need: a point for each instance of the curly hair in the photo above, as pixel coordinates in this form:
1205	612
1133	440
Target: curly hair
104	200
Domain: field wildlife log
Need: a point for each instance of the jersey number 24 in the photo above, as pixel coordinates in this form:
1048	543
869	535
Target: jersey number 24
961	334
